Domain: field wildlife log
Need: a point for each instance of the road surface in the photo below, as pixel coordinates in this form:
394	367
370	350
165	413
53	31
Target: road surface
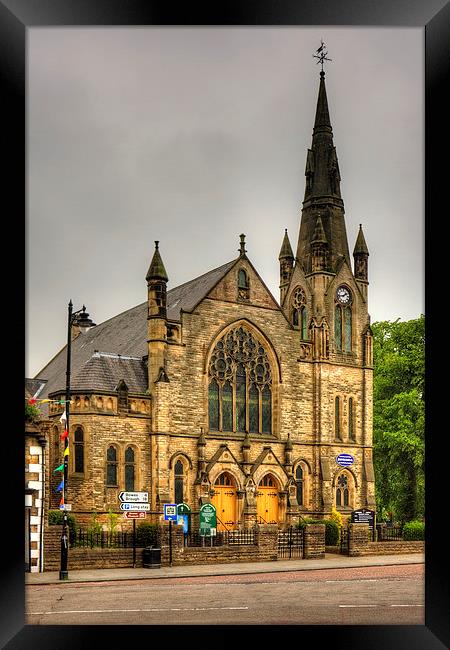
379	595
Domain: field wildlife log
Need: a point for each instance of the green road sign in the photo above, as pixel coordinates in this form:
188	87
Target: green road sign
208	520
183	509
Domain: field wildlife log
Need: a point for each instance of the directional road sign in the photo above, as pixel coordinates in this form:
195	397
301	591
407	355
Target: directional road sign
133	497
135	507
134	515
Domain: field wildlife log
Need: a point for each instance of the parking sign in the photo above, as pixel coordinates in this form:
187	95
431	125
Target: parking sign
170	512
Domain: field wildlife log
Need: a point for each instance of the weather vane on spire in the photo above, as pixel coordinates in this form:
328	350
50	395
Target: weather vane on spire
321	54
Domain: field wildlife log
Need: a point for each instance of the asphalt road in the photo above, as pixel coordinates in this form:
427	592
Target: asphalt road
380	595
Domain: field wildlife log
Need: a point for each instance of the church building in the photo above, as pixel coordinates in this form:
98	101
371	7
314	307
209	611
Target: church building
216	391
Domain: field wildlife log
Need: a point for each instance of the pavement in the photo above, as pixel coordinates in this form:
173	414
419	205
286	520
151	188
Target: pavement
330	561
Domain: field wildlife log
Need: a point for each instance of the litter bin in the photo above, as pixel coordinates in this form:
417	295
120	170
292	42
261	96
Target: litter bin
151	557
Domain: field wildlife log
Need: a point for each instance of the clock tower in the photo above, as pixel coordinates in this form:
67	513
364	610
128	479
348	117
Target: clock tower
333	320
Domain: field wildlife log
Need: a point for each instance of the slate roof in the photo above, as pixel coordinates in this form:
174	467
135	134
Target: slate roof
104	372
125	335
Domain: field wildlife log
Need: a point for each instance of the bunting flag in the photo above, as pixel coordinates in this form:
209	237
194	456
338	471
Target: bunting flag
66	451
61	503
59	469
64	435
63	417
60	486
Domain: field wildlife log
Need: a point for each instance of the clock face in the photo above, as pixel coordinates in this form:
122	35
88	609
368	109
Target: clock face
343	295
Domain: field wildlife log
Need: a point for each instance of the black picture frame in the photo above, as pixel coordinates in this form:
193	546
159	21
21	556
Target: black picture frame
16	16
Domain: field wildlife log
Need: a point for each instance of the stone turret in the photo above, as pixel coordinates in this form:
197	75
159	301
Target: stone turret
286	258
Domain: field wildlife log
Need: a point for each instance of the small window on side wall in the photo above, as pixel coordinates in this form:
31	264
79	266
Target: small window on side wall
243	285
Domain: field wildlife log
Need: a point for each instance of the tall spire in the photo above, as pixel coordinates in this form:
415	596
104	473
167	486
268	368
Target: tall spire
322	188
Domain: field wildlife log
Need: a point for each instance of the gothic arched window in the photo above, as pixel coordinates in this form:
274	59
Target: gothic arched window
337	418
78	450
240	384
351	419
111	466
343	320
243	285
178	482
299	312
342	492
299	484
129	469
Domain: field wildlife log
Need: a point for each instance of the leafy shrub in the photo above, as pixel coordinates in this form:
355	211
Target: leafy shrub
95	527
414	531
146	534
57	517
112	521
32	413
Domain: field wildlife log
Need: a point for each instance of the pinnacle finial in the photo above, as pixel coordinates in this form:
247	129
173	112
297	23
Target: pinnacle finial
242	250
321	56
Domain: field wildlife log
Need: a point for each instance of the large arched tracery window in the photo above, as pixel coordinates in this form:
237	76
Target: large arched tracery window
240	384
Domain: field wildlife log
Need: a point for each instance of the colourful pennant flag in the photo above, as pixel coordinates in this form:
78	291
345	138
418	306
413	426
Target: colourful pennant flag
64	435
66	451
32	401
63	417
61	503
59	469
60	486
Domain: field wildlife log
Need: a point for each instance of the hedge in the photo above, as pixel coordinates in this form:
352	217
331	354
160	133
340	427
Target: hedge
414	531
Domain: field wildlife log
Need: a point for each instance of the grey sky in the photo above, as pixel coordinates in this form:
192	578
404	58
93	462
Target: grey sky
193	135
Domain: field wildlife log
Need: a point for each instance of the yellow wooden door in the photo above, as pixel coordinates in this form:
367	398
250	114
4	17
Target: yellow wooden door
267	501
225	501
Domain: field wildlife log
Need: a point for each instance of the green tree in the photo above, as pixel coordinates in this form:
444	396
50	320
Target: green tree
32	413
399	417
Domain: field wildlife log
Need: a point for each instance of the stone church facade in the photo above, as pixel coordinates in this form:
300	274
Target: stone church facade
215	392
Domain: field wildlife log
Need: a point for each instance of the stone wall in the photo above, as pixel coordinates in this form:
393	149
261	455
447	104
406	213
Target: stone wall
314	541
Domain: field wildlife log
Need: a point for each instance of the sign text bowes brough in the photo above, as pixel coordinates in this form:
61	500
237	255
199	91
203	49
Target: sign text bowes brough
133	497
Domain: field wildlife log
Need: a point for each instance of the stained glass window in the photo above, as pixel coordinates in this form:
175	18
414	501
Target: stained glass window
227	407
338	327
179	471
111	466
337	418
266	410
342	491
253	409
348	329
240	398
129	469
299	483
351	426
240	388
78	450
300	312
213	400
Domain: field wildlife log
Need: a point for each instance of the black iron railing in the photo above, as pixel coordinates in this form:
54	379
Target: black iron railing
246	536
101	539
390	533
291	543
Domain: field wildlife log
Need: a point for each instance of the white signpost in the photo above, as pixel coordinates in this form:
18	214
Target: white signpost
133	497
135	507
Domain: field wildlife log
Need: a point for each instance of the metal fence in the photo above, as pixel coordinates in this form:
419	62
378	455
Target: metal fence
291	543
390	533
243	537
343	542
101	539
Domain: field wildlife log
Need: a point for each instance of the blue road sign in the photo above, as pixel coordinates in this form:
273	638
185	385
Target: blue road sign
170	512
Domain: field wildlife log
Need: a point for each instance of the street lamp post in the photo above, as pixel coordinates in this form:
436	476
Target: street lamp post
82	320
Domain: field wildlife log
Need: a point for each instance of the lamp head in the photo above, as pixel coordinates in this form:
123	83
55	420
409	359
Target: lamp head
83	321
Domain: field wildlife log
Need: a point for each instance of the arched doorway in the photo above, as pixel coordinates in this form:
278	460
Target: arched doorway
225	501
267	500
